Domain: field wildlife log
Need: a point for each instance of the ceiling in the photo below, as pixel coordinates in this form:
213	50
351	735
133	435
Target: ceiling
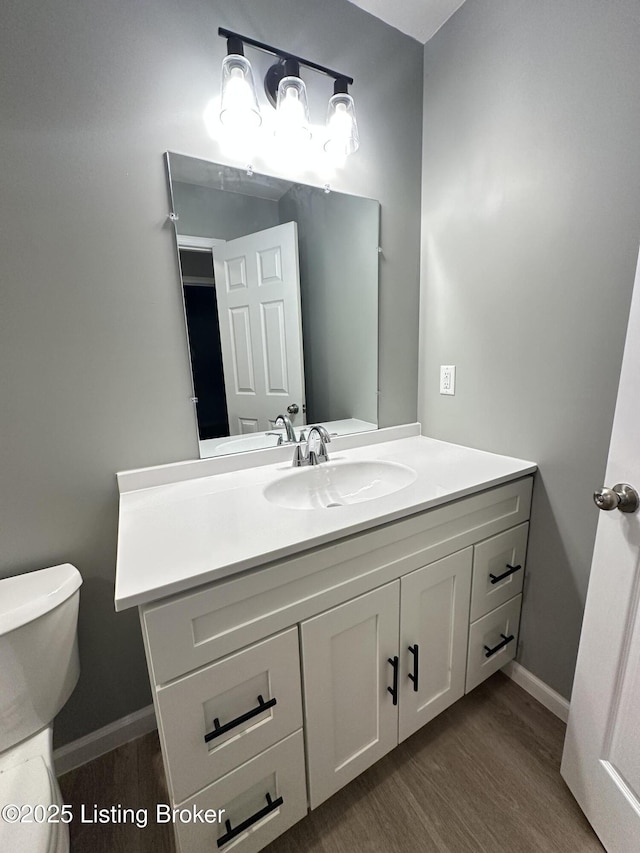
419	19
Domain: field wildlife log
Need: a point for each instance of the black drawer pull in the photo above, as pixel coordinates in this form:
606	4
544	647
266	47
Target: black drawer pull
510	571
414	676
394	690
505	640
237	830
220	730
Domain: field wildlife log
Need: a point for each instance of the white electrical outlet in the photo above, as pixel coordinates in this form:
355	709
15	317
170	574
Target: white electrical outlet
448	379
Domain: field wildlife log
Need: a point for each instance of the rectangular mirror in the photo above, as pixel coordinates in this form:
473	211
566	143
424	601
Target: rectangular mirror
280	287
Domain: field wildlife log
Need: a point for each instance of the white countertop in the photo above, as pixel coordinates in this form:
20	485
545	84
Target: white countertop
181	534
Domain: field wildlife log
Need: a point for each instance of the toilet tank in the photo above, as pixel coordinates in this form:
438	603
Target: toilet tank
39	664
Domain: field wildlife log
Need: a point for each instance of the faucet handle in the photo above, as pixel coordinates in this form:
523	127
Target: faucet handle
299	459
279	434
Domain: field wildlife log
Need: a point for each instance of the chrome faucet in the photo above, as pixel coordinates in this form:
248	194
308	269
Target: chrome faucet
315	451
283	420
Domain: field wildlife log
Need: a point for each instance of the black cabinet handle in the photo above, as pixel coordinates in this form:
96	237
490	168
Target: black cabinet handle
394	690
510	571
505	640
414	676
231	833
220	730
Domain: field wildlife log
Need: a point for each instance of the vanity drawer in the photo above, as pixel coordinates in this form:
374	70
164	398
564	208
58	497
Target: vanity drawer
232	690
498	570
493	640
262	798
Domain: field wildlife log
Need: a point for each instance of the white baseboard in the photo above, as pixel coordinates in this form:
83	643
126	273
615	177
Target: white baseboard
551	700
97	743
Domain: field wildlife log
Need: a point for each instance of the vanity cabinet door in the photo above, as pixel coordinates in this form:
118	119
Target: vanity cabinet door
434	626
351	717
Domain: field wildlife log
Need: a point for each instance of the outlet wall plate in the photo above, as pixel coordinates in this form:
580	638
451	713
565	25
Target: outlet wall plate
448	379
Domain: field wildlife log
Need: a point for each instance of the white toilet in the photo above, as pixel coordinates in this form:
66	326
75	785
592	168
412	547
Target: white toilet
38	670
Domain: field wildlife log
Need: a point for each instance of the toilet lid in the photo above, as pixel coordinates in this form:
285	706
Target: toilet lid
28	783
26	597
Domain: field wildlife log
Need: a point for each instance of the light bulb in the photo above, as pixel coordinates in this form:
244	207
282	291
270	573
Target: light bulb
342	129
239	110
292	121
340	123
291	109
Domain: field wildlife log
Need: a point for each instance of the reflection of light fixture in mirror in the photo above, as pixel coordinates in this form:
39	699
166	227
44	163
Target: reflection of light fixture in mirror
292	109
239	110
286	91
342	128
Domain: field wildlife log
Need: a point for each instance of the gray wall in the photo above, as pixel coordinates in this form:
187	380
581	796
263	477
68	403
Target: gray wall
207	212
531	224
336	275
94	369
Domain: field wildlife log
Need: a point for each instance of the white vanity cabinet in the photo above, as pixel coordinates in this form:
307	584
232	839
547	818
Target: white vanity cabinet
379	667
275	687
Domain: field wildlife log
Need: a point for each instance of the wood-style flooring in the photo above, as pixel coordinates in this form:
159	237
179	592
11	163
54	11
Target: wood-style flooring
481	778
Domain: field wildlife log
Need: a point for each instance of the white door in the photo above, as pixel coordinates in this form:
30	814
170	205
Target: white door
434	626
258	293
601	761
350	717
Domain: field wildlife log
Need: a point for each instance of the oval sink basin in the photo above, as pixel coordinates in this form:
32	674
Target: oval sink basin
334	484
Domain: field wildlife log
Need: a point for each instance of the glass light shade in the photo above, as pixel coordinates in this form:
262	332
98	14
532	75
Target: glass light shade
342	128
239	109
292	111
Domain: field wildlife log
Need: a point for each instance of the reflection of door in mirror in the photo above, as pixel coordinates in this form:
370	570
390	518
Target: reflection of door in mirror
245	333
258	293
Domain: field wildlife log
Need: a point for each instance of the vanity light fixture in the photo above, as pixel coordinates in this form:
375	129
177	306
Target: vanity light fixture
286	91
